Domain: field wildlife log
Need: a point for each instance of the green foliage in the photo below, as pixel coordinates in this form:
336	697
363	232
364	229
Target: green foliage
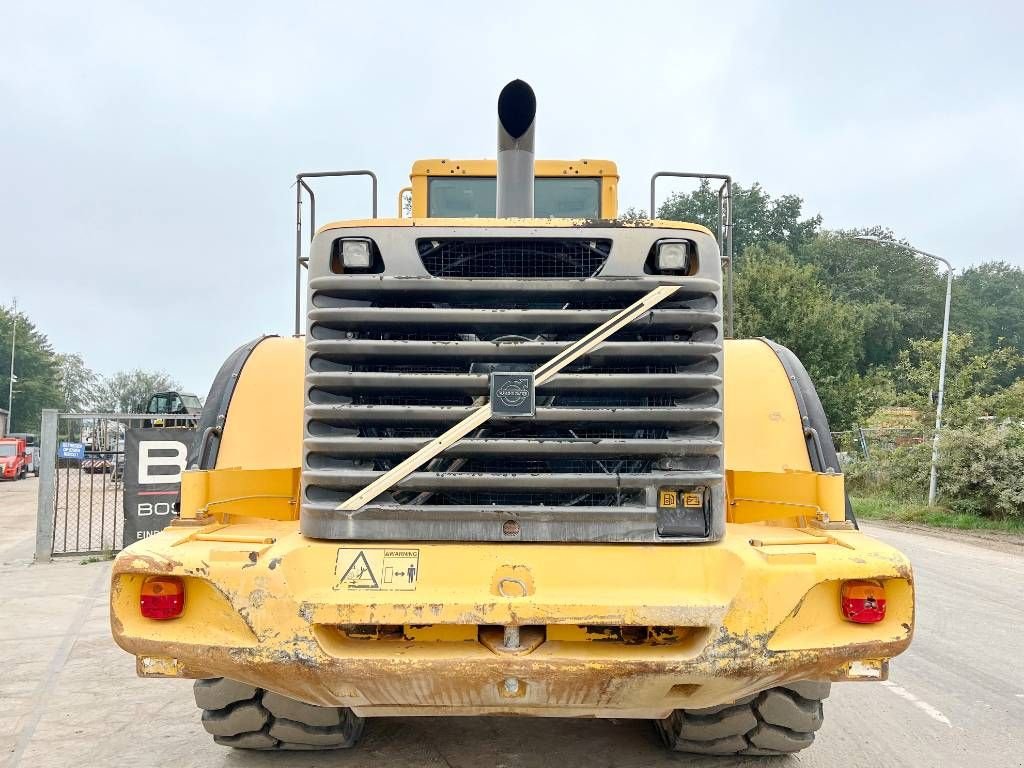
900	472
902	511
989	304
982	470
972	377
784	300
128	391
78	384
758	218
46	379
866	318
901	296
35	368
1000	406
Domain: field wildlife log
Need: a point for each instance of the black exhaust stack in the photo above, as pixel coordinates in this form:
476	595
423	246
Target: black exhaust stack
517	108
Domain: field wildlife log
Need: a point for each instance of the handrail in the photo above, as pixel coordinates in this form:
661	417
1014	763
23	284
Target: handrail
725	225
301	261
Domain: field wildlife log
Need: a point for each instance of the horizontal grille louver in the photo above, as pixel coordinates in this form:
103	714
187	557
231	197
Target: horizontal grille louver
393	362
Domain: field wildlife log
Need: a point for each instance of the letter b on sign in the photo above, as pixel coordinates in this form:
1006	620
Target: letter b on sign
161	453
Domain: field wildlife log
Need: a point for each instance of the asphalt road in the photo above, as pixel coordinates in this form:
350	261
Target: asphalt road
68	696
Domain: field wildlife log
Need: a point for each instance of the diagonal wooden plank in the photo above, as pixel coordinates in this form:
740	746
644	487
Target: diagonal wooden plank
478	417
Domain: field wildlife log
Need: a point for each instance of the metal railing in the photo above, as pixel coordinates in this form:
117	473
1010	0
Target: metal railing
725	229
303	261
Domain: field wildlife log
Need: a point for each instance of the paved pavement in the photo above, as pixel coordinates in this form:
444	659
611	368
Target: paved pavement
69	697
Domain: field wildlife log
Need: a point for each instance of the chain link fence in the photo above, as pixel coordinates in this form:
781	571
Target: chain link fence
861	443
81	480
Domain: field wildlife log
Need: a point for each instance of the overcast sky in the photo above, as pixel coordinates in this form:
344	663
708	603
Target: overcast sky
147	149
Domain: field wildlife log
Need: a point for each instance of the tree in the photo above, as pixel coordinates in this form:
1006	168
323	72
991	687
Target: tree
758	218
1003	405
128	391
787	302
35	368
78	384
901	294
989	303
973	376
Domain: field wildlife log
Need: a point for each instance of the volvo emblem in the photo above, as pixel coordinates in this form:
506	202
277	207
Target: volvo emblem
512	394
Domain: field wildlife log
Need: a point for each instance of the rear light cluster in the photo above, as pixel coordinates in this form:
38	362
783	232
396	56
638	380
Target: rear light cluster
863	602
162	597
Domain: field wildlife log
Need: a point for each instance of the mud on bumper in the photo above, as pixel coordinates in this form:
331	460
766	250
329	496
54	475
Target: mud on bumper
606	630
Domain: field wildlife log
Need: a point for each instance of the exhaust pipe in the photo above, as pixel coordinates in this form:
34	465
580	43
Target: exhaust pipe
517	108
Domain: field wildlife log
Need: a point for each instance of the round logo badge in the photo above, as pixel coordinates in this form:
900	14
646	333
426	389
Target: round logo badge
514	392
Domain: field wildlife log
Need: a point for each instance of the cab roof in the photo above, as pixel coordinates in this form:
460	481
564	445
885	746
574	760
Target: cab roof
479	223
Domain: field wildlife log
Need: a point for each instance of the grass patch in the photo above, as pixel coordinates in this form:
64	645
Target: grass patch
102	557
898	511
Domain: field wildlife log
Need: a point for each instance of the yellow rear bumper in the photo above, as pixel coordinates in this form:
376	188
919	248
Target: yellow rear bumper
266	606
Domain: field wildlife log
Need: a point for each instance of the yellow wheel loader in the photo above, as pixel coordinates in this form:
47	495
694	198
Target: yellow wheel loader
513	467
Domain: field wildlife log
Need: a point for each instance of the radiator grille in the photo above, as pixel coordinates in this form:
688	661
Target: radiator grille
394	362
520	257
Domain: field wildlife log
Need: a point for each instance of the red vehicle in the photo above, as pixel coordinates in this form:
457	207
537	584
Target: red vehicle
13	458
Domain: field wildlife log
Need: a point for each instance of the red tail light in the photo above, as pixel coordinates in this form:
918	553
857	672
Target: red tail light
863	602
163	597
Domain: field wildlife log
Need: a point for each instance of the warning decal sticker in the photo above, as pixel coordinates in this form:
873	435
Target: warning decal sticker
377	568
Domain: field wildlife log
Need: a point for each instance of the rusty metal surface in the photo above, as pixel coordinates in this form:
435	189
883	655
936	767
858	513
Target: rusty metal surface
267	613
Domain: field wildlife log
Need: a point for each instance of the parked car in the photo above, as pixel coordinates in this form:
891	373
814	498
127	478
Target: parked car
98	464
13	458
31	450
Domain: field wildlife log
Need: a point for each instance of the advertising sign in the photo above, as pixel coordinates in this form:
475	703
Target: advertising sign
154	461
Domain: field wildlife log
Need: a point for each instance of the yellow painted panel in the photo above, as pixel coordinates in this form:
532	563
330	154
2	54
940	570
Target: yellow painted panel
763	431
819	615
267	493
287	594
264	423
208	614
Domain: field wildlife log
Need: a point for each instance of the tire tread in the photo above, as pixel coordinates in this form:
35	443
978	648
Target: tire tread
777	721
256	719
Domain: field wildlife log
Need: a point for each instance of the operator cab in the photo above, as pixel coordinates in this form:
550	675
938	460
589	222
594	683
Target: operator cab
173	403
468	189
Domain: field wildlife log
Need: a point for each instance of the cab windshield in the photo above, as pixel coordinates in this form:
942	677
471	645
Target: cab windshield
476	197
6	449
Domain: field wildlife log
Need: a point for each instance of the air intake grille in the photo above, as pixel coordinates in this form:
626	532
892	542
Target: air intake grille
523	258
396	361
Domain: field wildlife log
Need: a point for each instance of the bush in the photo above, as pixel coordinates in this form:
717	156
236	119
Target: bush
900	472
981	472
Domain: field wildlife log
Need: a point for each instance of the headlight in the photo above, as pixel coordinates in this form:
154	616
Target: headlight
673	256
356	254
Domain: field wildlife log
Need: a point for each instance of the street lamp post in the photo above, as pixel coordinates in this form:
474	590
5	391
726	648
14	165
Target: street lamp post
14	342
933	477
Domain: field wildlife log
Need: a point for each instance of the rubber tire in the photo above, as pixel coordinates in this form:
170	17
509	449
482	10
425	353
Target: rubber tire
245	717
778	721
